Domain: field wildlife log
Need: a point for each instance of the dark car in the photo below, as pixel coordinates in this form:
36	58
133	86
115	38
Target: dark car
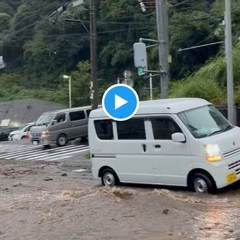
5	132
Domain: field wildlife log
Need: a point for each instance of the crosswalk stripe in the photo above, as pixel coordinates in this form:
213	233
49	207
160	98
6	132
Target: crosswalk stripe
56	157
4	149
34	156
20	153
36	148
19	149
13	153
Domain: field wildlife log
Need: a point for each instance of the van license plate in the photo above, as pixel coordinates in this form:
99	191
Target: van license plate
231	177
35	142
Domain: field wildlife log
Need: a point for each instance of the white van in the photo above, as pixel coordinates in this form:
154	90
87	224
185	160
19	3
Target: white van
178	142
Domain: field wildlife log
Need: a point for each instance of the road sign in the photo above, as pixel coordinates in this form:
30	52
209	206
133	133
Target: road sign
127	74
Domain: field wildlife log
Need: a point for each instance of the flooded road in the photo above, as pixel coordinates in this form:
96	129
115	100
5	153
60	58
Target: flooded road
215	216
40	201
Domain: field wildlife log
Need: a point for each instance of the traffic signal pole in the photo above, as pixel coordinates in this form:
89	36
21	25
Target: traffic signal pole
163	47
140	56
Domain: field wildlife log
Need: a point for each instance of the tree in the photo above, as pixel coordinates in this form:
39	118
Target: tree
80	86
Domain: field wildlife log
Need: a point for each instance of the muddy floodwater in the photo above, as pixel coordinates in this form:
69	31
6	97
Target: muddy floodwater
41	201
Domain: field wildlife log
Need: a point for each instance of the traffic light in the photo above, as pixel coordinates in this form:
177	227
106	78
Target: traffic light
140	55
141	71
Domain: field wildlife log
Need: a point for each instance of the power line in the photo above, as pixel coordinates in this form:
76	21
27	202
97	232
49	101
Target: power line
178	4
199	46
78	34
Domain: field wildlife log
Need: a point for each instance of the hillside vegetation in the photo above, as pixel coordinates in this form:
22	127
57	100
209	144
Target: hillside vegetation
38	50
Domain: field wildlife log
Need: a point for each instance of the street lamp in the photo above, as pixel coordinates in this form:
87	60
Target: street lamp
69	89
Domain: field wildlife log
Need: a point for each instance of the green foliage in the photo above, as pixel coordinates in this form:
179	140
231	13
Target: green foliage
4	21
38	51
201	88
80	80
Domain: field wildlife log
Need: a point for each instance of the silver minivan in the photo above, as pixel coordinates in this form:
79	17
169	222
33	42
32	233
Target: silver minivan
61	126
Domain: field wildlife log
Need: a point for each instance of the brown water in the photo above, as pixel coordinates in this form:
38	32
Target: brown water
75	207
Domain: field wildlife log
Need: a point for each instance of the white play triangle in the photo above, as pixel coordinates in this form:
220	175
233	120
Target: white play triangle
119	102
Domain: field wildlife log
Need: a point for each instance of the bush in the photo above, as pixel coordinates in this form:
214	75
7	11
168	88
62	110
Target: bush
196	88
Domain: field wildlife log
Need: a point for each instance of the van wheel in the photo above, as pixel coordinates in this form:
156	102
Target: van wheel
202	183
62	140
109	178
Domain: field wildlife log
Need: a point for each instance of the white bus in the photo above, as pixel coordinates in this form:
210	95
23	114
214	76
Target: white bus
177	142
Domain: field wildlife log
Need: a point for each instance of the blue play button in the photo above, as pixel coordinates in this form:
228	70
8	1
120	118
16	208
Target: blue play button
120	102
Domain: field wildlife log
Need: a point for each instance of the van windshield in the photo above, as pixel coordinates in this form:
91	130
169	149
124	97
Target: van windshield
204	121
45	119
22	127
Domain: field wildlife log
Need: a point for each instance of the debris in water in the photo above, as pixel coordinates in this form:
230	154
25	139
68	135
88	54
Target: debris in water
64	175
208	227
165	211
48	179
17	185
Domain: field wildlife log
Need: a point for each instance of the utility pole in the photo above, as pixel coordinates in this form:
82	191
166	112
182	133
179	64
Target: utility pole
228	50
93	49
163	48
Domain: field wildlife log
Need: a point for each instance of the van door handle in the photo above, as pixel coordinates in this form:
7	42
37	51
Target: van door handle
144	147
157	146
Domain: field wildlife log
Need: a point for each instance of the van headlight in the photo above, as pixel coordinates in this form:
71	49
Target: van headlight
45	134
212	153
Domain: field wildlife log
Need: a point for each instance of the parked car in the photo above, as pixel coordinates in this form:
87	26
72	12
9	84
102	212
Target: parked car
4	133
21	133
59	127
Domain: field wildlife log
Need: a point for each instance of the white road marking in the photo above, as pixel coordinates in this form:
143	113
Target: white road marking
38	154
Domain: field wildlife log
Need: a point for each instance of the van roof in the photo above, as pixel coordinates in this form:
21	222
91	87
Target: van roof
170	106
68	109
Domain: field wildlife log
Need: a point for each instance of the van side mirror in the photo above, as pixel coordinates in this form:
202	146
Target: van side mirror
178	137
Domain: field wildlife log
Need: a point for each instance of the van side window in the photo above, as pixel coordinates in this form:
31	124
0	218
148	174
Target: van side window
75	116
131	129
61	117
104	129
163	128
